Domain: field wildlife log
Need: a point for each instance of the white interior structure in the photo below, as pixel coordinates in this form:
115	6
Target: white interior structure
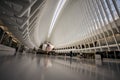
89	25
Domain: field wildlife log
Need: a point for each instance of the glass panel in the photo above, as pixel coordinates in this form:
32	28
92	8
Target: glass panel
118	4
113	10
108	11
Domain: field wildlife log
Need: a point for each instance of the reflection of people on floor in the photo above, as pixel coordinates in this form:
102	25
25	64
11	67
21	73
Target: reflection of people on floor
48	62
70	60
38	61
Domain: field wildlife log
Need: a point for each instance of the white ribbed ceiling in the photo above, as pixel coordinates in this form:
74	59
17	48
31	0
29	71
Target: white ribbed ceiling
35	21
66	27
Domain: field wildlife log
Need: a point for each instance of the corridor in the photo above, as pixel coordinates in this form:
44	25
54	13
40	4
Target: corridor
59	39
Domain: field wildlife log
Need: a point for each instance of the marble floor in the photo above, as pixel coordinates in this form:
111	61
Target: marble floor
42	67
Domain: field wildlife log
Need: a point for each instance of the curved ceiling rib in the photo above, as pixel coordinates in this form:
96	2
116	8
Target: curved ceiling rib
55	16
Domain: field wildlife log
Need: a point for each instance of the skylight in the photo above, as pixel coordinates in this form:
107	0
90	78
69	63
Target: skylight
55	16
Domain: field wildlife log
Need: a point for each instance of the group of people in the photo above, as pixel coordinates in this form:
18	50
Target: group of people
19	49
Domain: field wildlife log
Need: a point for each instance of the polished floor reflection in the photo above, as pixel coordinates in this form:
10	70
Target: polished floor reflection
39	67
